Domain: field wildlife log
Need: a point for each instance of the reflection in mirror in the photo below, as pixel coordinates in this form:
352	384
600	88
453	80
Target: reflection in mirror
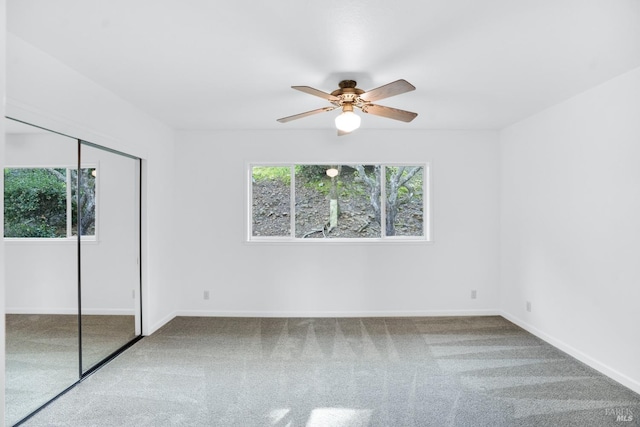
72	247
42	354
110	274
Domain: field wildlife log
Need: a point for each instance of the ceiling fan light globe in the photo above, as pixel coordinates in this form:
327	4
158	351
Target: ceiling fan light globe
348	121
332	172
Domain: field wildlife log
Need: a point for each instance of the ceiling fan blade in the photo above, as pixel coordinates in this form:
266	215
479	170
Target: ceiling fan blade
388	112
316	92
306	114
390	89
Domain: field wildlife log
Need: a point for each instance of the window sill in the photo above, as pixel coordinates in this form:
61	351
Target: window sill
50	241
336	240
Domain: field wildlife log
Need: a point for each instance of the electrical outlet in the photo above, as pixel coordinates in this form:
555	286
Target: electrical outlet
474	294
206	294
529	306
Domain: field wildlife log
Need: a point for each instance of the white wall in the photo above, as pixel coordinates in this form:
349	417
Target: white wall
570	226
368	279
41	276
43	91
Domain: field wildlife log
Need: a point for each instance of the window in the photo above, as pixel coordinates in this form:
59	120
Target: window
43	202
348	201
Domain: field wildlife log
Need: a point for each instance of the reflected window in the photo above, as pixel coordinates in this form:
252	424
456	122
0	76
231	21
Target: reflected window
42	202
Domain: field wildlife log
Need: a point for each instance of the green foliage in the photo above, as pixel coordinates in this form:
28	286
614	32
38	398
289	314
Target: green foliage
262	173
321	185
315	177
311	173
35	202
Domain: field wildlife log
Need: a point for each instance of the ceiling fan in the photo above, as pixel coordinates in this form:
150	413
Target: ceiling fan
349	96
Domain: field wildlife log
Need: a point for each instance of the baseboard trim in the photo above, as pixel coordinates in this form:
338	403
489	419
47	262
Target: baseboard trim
426	313
579	355
160	323
221	313
71	311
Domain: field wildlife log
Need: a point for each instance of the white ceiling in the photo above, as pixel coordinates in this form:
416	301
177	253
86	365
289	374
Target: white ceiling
209	64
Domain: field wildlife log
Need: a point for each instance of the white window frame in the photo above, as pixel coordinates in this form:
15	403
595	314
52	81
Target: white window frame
69	214
426	208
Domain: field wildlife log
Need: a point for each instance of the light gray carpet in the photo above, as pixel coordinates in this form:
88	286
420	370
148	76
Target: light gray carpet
41	360
42	354
104	334
455	371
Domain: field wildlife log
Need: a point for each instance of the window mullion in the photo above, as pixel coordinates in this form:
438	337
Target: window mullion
292	204
426	201
383	201
69	205
249	219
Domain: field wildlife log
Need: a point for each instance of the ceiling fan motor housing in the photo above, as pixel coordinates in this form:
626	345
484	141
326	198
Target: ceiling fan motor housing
349	95
344	84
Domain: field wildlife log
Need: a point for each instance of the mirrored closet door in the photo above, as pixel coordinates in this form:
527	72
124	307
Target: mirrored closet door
41	292
72	248
109	257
